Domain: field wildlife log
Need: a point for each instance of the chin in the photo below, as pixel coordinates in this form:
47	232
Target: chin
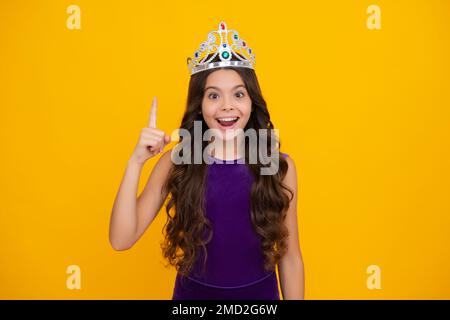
229	134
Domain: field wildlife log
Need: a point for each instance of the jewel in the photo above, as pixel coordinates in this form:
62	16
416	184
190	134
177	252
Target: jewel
225	54
224	45
222	26
243	43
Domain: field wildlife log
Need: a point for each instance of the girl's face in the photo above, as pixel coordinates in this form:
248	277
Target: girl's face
226	104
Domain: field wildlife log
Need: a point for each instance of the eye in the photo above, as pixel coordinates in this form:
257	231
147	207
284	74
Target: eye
212	94
240	92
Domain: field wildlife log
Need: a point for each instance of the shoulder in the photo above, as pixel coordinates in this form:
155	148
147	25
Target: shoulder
291	174
288	159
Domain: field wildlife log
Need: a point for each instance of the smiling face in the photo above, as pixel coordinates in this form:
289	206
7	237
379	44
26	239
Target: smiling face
226	104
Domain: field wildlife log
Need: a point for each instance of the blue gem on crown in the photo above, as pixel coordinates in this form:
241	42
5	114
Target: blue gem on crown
218	44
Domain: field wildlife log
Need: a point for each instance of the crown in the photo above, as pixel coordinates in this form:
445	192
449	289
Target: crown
218	44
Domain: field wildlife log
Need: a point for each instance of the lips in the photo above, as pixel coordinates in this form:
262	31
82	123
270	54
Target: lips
227	122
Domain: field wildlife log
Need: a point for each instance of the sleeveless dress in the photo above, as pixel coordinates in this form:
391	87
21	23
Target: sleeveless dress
234	268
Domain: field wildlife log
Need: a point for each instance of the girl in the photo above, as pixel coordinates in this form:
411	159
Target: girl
228	226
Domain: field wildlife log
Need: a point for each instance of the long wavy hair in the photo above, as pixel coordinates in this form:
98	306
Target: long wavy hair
187	229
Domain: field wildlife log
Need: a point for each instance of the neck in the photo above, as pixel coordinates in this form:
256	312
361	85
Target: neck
231	150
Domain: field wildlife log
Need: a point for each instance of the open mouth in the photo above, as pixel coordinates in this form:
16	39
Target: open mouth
227	122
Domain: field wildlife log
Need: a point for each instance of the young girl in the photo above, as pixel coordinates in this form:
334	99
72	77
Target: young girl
228	226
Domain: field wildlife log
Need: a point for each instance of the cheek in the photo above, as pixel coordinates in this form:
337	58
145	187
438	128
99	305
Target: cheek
246	110
208	112
208	106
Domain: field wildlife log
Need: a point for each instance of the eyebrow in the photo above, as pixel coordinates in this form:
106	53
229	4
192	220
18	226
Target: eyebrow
235	87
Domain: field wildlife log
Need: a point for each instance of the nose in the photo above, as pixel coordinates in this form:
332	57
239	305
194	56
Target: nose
227	104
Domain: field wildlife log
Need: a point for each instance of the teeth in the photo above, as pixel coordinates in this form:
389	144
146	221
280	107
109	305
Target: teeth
227	119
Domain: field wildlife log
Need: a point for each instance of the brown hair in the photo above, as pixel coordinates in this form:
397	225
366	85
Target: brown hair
187	229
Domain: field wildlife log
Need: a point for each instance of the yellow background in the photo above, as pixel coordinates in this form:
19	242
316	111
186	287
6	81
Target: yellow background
363	113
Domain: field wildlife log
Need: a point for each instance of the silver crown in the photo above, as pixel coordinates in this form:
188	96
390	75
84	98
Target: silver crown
220	46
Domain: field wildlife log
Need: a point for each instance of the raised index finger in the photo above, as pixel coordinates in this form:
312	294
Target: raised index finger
152	119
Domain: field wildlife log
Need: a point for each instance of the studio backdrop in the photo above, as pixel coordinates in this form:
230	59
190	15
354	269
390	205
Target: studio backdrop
359	91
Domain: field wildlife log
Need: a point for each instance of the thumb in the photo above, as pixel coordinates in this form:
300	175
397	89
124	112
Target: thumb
166	139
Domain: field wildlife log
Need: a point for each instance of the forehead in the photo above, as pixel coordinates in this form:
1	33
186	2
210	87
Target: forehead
225	79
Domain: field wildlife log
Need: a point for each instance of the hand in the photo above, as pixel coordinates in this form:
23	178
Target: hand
152	140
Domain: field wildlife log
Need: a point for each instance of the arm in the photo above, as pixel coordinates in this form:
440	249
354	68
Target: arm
290	267
130	217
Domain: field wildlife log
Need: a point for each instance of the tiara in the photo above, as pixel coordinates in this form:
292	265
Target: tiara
218	44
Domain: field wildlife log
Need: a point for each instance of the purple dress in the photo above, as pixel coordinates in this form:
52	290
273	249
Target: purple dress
235	265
